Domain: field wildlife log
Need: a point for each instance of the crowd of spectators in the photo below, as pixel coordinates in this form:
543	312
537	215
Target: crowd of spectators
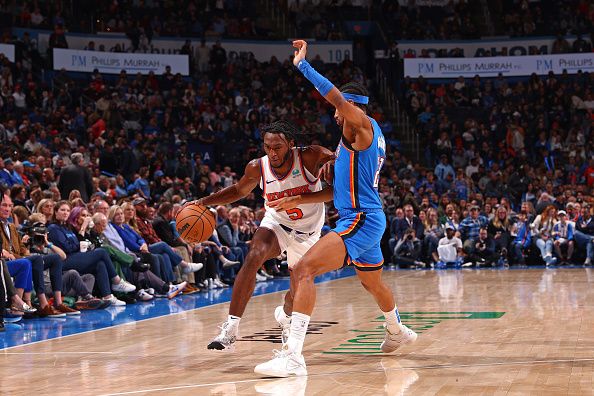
521	149
456	20
144	20
543	18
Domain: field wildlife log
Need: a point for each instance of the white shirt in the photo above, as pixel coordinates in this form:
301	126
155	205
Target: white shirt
455	241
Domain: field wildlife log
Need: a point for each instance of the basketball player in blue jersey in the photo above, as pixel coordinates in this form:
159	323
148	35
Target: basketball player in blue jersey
357	235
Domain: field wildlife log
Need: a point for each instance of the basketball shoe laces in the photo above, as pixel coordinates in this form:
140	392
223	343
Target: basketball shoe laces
224	337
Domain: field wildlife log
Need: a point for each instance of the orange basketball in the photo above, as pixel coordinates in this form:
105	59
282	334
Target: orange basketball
195	223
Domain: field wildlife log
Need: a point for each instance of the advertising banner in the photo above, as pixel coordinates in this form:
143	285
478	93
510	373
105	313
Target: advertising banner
328	51
114	62
492	66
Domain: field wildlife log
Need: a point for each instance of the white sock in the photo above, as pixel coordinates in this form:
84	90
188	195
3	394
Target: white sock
281	316
299	323
233	323
392	320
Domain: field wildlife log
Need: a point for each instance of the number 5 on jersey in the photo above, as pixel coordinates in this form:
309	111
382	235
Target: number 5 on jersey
295	213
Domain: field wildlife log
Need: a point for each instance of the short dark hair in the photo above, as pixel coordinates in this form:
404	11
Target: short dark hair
165	207
357	89
281	126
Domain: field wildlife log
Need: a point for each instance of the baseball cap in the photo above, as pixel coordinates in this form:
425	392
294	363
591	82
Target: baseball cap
450	227
28	164
562	213
138	201
472	207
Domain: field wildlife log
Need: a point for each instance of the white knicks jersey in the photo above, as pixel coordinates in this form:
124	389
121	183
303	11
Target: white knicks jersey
304	218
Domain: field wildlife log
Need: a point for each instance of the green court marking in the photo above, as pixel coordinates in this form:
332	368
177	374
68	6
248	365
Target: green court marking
368	341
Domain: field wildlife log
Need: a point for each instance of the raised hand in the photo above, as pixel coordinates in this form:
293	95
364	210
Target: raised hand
301	46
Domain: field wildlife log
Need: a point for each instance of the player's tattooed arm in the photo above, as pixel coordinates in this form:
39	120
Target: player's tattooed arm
243	187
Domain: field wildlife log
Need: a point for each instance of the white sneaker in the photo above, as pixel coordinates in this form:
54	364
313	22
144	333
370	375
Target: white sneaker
211	284
228	263
150	291
174	290
265	274
142	295
280	316
115	302
225	340
261	278
192	267
284	364
123	287
588	261
220	284
395	341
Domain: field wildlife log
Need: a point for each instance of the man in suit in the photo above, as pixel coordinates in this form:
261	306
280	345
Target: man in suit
76	177
410	220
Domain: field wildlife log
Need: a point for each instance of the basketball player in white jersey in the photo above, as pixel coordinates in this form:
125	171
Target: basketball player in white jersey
284	171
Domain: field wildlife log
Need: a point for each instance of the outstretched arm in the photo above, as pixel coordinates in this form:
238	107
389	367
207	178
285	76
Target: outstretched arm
353	115
243	187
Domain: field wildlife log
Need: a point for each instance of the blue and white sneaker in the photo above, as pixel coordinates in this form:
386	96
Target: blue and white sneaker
10	317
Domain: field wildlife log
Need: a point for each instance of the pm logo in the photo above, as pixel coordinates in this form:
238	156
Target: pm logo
79	60
425	68
543	64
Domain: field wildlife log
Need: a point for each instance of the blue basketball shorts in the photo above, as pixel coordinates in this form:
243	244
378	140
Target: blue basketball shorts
362	233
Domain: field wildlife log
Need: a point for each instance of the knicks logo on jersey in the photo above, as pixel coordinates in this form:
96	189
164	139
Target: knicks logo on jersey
273	196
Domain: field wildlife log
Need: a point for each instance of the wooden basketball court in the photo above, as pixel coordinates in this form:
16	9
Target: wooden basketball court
481	332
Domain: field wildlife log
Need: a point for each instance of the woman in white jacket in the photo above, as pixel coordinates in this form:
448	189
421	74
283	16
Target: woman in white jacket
542	232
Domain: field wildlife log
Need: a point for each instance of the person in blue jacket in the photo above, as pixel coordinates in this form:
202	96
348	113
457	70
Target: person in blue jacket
522	239
96	262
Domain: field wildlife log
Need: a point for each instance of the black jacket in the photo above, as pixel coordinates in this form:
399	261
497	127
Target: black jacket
164	232
76	177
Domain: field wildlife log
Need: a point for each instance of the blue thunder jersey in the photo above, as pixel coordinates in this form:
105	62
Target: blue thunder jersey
356	173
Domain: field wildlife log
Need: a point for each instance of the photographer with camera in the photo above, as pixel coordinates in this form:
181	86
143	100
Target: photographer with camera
482	252
14	249
407	252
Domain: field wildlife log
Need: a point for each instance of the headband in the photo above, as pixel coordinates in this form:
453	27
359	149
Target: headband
360	99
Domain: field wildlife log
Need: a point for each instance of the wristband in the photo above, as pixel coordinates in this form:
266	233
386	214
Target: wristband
50	245
320	82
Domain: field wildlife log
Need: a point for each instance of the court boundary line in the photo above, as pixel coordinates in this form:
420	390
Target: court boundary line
156	317
431	367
